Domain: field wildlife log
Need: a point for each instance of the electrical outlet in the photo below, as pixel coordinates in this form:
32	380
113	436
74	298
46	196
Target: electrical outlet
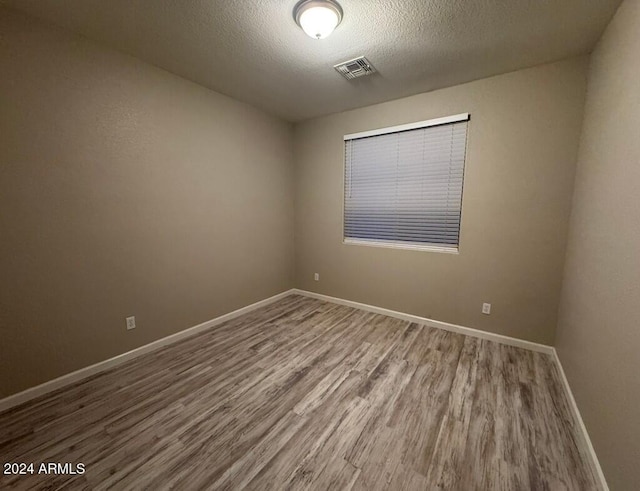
316	276
131	323
486	308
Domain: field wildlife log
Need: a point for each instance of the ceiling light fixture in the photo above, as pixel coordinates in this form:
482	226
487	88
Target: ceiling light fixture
318	18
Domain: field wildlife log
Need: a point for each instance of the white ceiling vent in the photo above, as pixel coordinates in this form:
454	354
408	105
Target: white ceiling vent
358	67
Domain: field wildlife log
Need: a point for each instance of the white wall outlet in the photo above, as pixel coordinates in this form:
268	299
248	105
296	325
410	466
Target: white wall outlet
486	308
131	323
316	276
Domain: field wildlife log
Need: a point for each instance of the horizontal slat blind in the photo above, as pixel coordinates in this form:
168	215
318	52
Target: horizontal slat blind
406	187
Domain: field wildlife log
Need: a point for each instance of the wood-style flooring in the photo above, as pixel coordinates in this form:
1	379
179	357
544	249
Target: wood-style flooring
305	394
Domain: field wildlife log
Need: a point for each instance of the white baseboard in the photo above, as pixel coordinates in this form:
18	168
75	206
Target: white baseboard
583	429
73	377
469	331
499	338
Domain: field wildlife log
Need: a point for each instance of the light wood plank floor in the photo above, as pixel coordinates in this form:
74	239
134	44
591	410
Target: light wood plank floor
304	394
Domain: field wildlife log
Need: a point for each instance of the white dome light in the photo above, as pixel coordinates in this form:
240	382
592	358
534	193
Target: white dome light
318	18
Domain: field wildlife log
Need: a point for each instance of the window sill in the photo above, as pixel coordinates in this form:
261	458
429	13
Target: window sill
396	245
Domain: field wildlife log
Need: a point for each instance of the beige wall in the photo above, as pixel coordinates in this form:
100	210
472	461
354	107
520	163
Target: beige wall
522	145
125	190
598	337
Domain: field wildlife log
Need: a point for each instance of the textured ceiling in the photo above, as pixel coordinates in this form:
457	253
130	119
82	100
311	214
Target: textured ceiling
253	51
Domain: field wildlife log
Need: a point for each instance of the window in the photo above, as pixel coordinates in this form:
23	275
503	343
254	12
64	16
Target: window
403	185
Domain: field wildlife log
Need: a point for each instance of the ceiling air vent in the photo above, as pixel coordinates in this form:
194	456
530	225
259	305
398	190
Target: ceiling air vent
358	67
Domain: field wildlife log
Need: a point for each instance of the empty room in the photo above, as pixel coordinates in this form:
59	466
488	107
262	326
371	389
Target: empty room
320	244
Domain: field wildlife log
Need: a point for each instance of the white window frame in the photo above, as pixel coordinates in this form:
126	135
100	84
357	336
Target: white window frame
457	118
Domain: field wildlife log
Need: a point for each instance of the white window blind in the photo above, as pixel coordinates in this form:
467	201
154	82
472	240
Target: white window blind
403	185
